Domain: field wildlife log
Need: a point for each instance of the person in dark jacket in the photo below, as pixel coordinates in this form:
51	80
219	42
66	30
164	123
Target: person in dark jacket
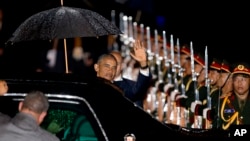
108	66
105	67
25	125
135	90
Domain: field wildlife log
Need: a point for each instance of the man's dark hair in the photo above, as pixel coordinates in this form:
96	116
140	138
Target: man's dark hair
105	56
36	101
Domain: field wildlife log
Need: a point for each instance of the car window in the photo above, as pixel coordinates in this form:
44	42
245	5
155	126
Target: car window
69	125
69	117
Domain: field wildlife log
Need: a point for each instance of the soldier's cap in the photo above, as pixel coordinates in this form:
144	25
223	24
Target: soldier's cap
225	67
199	59
242	68
215	65
185	50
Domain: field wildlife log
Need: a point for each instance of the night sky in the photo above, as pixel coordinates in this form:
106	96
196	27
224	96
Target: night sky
224	28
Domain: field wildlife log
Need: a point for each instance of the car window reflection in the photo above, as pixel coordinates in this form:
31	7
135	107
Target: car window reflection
71	118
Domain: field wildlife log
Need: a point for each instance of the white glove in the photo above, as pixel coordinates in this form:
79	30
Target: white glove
194	104
153	90
180	96
167	87
173	95
157	84
205	112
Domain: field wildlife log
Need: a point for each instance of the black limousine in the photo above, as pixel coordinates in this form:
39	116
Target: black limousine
92	109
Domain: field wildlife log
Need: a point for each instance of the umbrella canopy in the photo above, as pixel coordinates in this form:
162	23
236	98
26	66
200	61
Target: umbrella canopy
61	23
64	22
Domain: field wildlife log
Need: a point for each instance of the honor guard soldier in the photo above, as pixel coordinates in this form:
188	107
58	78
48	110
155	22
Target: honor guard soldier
234	109
186	66
185	73
210	104
225	84
196	91
199	66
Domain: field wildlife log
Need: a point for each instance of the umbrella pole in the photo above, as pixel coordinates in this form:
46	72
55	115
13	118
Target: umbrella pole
66	56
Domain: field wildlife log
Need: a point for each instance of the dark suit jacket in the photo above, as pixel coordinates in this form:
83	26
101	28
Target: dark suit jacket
135	90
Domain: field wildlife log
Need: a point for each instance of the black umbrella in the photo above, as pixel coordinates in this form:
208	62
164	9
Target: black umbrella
64	22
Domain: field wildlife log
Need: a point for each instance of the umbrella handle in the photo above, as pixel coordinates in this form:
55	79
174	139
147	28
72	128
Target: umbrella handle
66	56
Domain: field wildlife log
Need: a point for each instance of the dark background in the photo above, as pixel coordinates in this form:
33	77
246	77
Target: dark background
222	27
